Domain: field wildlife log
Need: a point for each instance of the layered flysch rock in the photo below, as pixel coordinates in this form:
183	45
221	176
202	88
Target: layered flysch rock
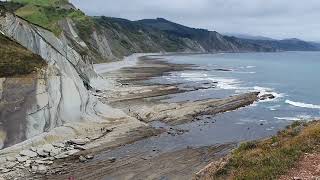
60	94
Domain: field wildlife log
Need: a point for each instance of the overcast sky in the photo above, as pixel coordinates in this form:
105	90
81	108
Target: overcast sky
272	18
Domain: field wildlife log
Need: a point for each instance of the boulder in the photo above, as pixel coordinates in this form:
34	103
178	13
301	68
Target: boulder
41	169
3	160
59	145
48	159
55	152
61	156
28	153
42	152
22	159
266	96
10	165
48	148
79	141
10	159
66	154
43	162
5	170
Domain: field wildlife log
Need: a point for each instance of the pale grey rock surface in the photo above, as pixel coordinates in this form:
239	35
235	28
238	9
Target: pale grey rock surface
64	105
28	153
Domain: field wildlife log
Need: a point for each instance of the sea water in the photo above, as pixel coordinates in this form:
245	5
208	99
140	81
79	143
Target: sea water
292	77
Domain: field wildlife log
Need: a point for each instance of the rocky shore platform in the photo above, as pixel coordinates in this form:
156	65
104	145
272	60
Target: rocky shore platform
85	157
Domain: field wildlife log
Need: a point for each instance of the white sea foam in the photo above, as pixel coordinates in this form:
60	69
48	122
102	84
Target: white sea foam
274	108
247	67
297	118
270	129
265	90
231	84
303	105
243	72
222	83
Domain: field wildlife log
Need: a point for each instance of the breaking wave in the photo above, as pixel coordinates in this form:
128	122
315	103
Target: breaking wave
303	105
222	83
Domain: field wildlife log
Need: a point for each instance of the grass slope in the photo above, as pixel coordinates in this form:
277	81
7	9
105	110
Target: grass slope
268	159
17	60
47	14
48	3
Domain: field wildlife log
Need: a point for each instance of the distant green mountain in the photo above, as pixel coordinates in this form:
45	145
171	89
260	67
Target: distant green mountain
102	39
247	36
286	44
163	35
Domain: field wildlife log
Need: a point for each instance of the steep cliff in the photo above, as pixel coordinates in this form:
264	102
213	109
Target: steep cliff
19	68
57	95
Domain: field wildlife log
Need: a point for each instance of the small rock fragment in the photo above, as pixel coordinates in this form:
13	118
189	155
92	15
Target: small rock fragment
27	165
82	159
34	149
34	168
5	170
89	156
112	159
79	147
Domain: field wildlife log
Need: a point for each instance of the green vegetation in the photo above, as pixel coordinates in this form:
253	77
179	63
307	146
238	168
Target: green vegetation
48	13
17	60
10	6
48	3
268	159
46	17
83	23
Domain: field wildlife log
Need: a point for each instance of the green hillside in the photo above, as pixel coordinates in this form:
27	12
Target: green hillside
47	3
47	13
17	60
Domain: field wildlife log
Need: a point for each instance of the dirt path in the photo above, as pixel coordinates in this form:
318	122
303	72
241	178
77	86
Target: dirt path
308	168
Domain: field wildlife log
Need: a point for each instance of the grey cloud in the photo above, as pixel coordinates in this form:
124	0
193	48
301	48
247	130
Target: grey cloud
274	18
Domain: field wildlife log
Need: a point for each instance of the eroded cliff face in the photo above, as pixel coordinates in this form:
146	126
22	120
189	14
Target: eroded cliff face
58	95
